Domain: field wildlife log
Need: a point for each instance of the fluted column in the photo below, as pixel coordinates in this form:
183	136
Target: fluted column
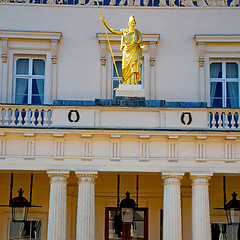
86	206
201	228
172	220
57	218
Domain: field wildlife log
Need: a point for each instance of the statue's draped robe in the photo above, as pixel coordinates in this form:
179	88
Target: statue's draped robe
132	56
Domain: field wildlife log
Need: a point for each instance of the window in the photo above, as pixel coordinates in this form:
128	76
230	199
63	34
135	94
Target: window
29	80
115	81
139	229
224	84
29	230
29	70
223	231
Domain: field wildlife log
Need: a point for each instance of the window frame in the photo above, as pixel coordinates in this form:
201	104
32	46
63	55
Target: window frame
223	222
28	43
30	76
108	209
224	79
213	46
31	219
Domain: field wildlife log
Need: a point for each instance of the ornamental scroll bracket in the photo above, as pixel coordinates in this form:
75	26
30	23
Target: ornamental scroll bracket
4	50
103	53
54	45
201	47
152	53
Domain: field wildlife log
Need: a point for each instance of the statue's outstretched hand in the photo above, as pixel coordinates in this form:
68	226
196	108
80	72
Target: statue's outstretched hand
142	47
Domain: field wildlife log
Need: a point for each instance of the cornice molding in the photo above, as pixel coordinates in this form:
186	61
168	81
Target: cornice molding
151	38
30	35
201	38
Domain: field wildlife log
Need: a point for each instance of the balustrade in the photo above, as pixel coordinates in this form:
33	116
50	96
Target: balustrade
137	3
52	116
25	116
224	119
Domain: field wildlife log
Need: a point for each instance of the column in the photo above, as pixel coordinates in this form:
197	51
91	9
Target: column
201	228
57	219
86	206
172	223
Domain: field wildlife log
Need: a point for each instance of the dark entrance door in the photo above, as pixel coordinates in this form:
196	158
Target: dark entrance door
114	230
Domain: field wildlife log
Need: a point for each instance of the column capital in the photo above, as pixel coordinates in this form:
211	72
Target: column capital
200	177
172	177
86	176
58	176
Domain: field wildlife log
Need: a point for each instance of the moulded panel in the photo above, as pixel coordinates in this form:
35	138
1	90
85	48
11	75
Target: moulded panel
237	150
73	117
15	147
129	119
43	147
158	149
215	150
73	148
129	149
186	150
186	119
101	148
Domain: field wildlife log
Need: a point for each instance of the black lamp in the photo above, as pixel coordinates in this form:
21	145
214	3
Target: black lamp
233	210
20	205
127	207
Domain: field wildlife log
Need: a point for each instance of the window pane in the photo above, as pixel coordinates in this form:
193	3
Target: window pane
22	66
216	70
39	99
232	95
21	96
27	230
223	231
38	86
119	68
216	94
232	70
38	67
22	86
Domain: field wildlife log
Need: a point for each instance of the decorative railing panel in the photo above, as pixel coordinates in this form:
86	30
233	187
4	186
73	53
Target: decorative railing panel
224	119
25	116
137	3
101	117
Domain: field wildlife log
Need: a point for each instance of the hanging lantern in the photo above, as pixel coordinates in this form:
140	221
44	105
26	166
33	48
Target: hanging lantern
20	206
127	207
233	210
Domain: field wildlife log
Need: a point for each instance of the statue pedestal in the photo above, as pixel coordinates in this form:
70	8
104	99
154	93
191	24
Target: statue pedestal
127	90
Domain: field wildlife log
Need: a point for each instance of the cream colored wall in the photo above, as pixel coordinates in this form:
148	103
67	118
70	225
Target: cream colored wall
150	196
78	75
40	197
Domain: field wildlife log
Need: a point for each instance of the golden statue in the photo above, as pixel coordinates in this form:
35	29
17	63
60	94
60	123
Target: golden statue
131	47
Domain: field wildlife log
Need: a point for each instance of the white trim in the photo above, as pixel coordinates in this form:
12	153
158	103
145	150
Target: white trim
207	53
48	70
16	46
30	35
199	38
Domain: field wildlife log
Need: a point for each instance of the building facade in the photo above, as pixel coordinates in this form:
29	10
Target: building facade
61	121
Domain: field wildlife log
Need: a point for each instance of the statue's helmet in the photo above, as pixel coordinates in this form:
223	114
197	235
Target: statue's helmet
132	19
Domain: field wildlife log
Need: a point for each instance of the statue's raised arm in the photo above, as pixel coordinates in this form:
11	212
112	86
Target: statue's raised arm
119	32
